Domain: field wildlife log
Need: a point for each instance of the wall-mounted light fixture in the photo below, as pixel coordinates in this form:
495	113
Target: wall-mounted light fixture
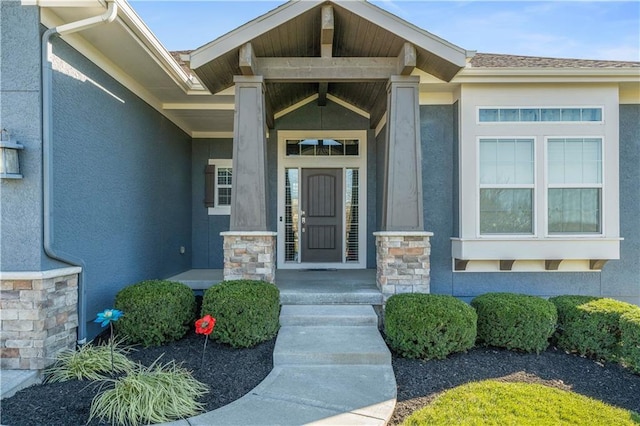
9	158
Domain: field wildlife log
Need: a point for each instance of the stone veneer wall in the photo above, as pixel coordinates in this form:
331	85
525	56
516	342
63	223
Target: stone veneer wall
403	262
38	317
249	255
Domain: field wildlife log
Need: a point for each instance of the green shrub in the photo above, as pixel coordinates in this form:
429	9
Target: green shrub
630	339
246	312
157	394
515	321
590	325
429	326
90	362
155	311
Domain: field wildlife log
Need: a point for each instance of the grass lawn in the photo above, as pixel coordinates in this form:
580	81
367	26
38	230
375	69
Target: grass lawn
491	402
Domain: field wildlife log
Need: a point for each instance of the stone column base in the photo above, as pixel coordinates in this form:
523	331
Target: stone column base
39	317
402	259
249	255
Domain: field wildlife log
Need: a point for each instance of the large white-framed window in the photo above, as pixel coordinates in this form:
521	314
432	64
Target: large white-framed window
574	190
223	182
574	185
537	114
506	190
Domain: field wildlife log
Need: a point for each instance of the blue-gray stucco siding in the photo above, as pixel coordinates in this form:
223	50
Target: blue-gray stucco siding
122	179
619	279
21	239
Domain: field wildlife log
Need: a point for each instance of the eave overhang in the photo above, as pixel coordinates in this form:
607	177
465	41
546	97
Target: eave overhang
287	45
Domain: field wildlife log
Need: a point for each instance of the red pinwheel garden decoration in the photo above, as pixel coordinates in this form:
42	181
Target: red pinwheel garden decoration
205	326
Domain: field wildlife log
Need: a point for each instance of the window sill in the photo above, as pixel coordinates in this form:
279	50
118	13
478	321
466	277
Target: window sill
219	211
577	248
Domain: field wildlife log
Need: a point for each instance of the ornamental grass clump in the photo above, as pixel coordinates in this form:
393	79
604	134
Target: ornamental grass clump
515	321
429	326
149	395
90	362
156	312
247	312
589	325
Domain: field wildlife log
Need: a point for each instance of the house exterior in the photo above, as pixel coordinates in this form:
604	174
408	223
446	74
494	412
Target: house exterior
324	134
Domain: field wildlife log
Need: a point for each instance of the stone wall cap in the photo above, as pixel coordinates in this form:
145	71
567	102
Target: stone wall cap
248	234
403	234
39	275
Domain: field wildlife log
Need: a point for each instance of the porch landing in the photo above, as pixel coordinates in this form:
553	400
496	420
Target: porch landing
305	286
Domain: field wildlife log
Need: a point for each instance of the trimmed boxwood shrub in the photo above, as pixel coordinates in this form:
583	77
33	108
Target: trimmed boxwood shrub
590	325
428	326
515	321
155	311
630	339
246	312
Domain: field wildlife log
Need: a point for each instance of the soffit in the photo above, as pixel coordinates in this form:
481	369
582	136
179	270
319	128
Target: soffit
128	51
359	32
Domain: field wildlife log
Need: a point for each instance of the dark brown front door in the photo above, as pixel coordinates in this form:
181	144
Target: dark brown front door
321	237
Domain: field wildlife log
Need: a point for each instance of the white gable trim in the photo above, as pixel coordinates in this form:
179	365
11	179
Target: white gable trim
406	30
249	31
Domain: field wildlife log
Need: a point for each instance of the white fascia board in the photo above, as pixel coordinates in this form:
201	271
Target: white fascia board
547	75
141	33
411	33
65	3
199	106
295	106
249	31
212	135
348	106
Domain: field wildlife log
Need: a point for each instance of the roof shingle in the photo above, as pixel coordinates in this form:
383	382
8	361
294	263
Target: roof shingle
492	60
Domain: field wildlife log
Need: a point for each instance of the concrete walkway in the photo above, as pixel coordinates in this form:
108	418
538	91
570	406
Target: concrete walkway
331	367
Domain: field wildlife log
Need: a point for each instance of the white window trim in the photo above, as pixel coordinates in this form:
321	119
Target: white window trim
359	162
520	123
218	210
533	186
602	186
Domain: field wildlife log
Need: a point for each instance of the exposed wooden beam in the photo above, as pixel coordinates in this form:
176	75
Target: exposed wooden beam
248	61
597	264
326	48
552	264
506	264
323	88
326	35
407	59
342	69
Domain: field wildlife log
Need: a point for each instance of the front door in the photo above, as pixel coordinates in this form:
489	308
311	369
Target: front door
321	215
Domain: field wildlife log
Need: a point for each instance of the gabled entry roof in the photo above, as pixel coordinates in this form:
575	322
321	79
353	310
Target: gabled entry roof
353	37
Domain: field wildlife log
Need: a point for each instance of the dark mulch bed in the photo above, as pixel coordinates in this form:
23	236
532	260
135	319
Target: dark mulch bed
231	373
419	382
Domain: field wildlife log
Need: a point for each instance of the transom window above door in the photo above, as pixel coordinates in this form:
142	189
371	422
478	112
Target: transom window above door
322	147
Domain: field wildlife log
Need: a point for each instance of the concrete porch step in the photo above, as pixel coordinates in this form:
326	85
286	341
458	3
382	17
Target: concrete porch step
324	345
319	297
328	315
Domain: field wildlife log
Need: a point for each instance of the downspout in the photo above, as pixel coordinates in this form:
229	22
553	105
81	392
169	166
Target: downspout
47	155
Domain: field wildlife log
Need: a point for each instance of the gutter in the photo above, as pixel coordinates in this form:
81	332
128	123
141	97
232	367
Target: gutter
47	155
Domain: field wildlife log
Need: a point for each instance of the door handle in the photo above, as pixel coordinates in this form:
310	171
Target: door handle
304	220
